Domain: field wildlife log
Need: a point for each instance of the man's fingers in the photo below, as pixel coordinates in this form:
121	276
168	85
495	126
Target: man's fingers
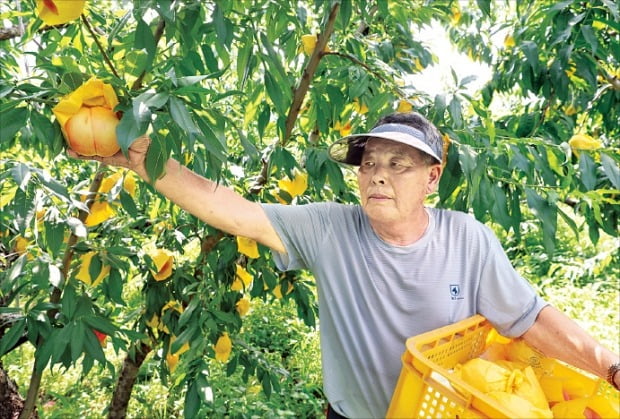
141	144
75	155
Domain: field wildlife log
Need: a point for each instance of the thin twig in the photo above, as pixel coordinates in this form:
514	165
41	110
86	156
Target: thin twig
96	38
355	60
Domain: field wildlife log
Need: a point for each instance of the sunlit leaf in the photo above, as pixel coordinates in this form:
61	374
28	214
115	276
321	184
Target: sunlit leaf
610	166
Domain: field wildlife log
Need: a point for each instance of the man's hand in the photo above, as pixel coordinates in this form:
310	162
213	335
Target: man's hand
137	156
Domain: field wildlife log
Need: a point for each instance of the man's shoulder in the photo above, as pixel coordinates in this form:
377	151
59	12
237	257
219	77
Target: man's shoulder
453	215
459	220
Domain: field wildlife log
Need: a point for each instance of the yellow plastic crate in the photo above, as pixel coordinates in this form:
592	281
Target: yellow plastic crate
424	388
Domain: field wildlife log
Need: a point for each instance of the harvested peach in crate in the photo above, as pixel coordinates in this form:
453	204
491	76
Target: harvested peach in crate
467	370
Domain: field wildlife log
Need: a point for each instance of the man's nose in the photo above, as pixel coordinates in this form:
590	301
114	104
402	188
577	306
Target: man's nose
379	174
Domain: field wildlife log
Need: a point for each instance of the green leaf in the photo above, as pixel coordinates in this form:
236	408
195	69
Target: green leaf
209	57
275	94
452	175
15	270
21	174
128	204
156	158
454	110
61	338
499	209
211	140
531	53
485	6
12	121
71	81
78	339
468	158
54	236
145	40
152	100
69	302
554	162
43	354
93	347
243	58
590	37
99	323
587	167
263	119
94	269
113	287
266	384
12	335
23	209
570	222
127	131
223	26
55	187
440	105
192	400
42	127
181	116
526	125
136	61
273	62
610	167
345	12
191	80
546	212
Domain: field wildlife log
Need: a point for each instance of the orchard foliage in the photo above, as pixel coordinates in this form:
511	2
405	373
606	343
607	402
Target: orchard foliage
230	90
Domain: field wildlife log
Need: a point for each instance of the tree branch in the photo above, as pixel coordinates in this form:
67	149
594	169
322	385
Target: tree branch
15	31
127	379
300	93
8	33
96	38
56	294
308	74
613	80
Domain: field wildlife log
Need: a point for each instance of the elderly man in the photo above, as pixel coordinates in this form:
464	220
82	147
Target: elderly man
388	268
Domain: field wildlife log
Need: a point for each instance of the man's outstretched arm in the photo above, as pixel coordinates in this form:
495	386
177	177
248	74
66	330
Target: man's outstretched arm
558	336
213	203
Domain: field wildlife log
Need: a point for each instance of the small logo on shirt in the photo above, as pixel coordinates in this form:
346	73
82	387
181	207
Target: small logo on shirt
455	292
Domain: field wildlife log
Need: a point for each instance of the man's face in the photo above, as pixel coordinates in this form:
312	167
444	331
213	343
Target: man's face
394	181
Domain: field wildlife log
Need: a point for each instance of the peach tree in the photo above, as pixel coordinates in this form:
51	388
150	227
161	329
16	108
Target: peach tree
251	93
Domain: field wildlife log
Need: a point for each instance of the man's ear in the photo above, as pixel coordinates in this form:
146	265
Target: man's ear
433	178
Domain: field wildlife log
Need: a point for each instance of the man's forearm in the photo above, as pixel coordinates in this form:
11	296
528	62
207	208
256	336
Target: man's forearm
215	204
558	336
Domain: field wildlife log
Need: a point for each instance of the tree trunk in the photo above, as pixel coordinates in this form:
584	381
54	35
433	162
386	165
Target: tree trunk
126	380
11	403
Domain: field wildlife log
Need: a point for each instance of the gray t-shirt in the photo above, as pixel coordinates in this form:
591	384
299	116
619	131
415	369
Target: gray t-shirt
374	295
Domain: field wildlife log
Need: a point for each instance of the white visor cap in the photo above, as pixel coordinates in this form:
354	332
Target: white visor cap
349	149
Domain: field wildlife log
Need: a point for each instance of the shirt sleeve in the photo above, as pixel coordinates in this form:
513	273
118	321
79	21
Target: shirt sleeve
506	298
302	229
